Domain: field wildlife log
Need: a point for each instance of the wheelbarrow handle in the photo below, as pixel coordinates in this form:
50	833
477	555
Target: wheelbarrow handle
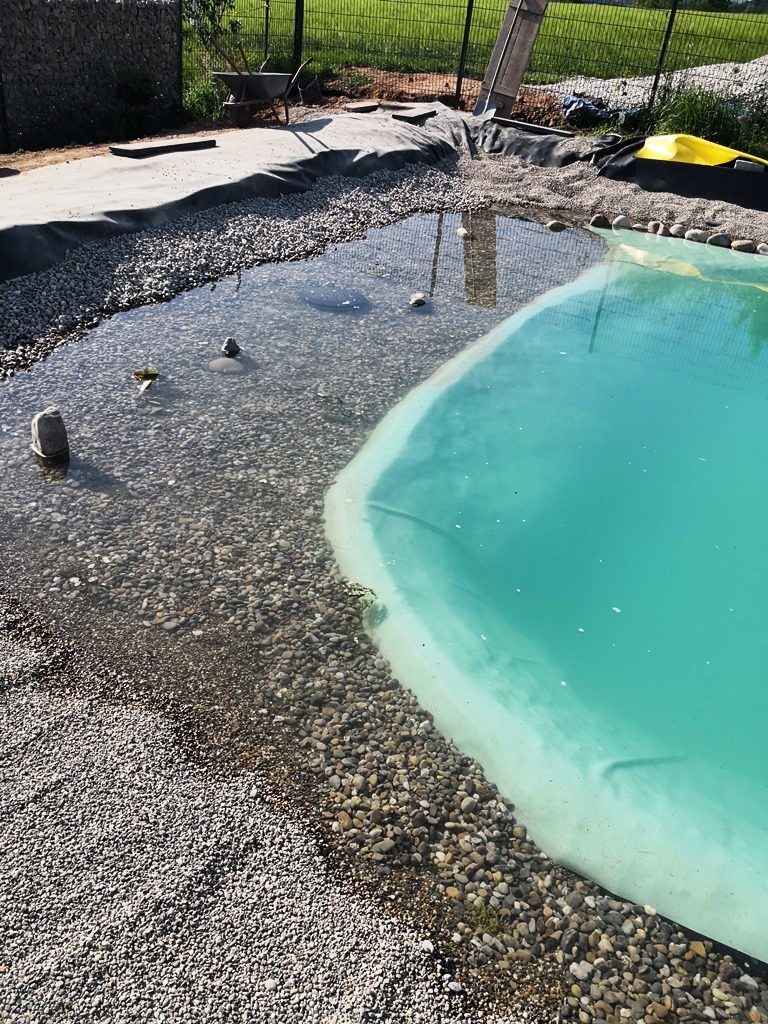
296	76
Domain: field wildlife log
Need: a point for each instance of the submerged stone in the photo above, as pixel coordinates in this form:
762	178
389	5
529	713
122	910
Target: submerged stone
226	364
336	300
49	435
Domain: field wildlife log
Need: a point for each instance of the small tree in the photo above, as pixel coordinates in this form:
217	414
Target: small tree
219	32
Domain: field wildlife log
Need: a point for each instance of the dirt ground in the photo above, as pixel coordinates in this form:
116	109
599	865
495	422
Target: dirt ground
354	83
28	159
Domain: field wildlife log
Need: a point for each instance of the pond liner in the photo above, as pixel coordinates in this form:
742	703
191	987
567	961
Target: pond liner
725	183
51	211
617	159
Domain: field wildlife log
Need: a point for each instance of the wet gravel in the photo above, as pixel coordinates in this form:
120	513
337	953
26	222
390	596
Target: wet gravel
144	885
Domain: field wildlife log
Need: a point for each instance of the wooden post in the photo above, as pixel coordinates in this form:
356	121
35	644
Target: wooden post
480	258
509	60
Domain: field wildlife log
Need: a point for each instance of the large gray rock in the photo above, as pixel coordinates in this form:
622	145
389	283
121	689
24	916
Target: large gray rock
49	435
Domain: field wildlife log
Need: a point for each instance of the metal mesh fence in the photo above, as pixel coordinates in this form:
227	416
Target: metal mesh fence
695	321
678	67
617	58
500	264
391	49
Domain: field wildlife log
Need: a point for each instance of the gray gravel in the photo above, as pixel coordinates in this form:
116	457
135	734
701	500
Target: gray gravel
137	887
747	81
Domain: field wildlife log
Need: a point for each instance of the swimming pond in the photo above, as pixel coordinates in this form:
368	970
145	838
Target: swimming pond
188	520
565	532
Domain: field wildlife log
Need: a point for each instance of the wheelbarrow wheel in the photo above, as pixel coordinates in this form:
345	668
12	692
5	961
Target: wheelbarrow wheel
240	115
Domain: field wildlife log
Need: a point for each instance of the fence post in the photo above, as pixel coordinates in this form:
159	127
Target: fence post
464	48
180	68
663	53
5	135
298	33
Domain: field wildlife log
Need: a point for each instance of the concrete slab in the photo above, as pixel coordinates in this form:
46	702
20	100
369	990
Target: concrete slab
416	114
47	212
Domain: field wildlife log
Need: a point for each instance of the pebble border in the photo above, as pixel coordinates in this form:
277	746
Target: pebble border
657	227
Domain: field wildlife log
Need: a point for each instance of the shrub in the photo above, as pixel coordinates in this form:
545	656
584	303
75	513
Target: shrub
739	124
202	101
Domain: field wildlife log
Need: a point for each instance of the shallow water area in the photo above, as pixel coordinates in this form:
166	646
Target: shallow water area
564	530
191	513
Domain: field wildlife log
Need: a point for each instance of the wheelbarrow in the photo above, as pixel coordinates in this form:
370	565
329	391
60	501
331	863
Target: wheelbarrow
248	90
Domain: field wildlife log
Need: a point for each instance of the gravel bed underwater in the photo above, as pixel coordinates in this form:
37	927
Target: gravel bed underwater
219	804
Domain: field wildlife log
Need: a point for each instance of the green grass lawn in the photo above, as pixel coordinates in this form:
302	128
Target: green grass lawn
617	42
575	39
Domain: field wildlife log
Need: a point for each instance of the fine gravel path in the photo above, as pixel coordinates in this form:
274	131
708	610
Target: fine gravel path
747	82
141	876
138	887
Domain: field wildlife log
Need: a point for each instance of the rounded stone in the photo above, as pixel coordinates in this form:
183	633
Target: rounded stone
226	364
336	300
556	225
721	239
696	235
621	223
743	245
599	221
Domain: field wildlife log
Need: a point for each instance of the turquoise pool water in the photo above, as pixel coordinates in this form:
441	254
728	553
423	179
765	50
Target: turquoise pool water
566	528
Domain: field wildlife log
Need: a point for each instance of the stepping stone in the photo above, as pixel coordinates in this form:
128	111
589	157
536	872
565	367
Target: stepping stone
362	107
139	150
414	114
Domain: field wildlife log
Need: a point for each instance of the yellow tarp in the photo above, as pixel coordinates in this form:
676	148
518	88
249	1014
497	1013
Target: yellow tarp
688	149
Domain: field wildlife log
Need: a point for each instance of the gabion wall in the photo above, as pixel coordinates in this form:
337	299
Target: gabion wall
87	70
